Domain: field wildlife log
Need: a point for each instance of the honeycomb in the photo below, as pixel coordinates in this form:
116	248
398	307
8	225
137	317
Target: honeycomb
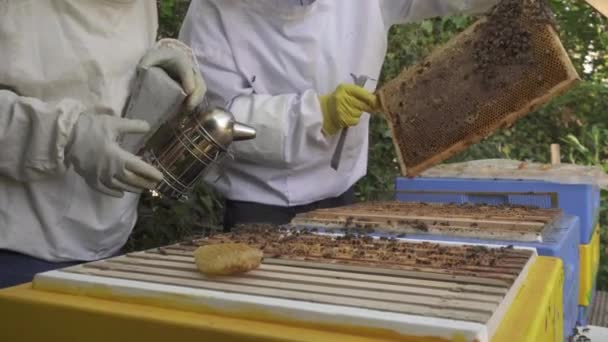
227	259
507	64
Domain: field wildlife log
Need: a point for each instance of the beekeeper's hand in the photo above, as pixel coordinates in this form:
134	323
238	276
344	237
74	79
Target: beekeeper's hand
94	152
344	107
177	60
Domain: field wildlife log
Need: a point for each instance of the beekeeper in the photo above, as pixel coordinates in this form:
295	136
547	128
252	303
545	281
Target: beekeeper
285	68
68	192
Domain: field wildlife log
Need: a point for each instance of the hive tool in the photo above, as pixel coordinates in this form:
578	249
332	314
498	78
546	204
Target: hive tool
335	159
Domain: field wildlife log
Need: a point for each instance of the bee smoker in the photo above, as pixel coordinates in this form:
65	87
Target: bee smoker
182	145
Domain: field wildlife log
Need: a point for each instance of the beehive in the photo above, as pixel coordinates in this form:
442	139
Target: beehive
549	231
501	68
415	291
514	223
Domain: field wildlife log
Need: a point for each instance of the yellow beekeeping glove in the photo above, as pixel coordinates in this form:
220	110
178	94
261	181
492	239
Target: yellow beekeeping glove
344	107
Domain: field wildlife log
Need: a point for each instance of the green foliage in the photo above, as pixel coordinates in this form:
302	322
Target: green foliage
585	36
170	16
164	221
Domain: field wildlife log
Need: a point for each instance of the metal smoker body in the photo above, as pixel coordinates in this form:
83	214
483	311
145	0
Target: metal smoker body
182	145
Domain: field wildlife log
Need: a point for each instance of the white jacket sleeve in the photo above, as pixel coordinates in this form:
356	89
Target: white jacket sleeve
285	123
407	11
33	135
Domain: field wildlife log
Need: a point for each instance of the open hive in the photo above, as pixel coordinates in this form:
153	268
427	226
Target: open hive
414	289
504	66
512	223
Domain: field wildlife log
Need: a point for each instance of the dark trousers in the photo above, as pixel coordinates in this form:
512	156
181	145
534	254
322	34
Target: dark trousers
236	212
16	269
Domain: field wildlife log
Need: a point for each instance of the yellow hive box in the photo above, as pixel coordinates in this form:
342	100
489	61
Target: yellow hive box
32	315
537	314
590	263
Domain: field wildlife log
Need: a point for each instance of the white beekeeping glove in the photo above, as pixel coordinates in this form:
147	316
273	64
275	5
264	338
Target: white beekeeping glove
96	156
177	59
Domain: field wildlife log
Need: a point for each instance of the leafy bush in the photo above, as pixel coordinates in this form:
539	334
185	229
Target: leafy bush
165	221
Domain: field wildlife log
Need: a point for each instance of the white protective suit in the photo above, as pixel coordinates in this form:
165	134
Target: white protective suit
57	59
269	60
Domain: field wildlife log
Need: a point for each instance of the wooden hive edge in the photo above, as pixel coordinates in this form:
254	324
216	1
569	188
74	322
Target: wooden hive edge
389	122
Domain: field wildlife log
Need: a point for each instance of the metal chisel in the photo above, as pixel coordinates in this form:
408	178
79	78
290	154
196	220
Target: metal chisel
335	159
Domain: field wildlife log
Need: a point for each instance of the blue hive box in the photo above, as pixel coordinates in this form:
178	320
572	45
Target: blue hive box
574	199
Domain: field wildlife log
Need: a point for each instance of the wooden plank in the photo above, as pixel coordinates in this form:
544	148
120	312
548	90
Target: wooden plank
518	256
447	285
410	272
470	210
169	251
462	314
287	279
360	210
160	263
439	214
431	220
392	228
488	272
509	270
556	156
157	256
396	221
506	266
600	5
392	272
507	261
451	286
363	291
416	289
499	272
